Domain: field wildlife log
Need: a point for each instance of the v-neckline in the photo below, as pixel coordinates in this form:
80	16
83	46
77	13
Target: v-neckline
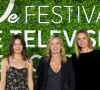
54	71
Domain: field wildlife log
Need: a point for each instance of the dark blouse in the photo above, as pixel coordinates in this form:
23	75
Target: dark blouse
54	80
87	70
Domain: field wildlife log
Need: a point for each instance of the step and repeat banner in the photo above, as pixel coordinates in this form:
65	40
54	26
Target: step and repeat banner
37	20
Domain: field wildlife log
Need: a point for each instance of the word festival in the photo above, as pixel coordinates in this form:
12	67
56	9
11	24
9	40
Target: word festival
14	18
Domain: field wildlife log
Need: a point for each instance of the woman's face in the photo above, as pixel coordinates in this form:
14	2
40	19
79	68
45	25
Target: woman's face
17	47
82	40
55	46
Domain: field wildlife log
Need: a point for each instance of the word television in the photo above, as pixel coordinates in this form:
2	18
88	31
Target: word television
69	41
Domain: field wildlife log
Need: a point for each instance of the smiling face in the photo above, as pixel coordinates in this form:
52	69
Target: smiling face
82	40
17	46
55	46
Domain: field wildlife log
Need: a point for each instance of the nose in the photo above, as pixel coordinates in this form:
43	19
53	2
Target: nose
55	45
18	46
82	40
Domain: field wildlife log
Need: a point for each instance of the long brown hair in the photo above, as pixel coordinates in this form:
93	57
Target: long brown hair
48	51
77	47
11	43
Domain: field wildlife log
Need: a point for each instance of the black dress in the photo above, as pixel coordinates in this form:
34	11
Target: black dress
17	79
87	70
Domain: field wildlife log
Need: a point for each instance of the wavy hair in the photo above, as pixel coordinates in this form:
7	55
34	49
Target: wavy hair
48	51
11	43
77	47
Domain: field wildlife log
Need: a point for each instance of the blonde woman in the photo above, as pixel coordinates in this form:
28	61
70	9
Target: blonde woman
55	70
86	62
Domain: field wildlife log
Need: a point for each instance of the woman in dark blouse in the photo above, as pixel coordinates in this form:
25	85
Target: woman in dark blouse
86	63
55	70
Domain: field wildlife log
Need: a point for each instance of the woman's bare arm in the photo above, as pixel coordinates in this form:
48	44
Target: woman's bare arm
4	64
30	75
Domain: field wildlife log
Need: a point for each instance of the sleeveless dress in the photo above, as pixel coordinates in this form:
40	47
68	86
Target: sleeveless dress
17	79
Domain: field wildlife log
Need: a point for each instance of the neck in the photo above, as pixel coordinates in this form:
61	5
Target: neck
56	57
85	50
17	56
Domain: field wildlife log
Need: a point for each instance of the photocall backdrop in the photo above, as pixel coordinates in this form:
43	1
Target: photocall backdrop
37	20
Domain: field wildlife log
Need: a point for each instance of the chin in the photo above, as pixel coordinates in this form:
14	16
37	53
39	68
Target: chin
55	52
82	46
18	52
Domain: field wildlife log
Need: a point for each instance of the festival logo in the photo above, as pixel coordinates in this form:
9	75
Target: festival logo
11	18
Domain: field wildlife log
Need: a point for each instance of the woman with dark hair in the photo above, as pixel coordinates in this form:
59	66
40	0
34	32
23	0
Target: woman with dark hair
16	67
55	70
86	63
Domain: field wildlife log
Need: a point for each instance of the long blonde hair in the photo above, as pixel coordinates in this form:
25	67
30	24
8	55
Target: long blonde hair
48	51
77	47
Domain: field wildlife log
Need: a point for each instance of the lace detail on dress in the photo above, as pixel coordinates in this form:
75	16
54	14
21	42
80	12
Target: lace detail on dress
17	79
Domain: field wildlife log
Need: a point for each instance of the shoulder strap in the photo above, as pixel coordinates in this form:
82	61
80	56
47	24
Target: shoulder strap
25	64
27	61
8	60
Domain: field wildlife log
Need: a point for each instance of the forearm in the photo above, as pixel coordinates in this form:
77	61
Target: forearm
30	84
2	86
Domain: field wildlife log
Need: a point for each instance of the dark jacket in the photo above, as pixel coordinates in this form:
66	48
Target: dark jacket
67	75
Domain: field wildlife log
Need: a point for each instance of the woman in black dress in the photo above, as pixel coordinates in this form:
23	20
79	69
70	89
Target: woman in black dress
86	63
55	70
16	67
